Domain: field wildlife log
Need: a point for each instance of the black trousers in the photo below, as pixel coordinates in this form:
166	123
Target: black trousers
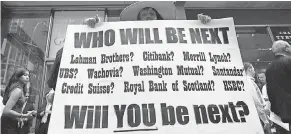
43	127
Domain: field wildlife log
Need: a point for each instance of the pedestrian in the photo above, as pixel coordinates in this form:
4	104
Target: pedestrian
278	77
12	118
262	86
45	114
261	78
256	94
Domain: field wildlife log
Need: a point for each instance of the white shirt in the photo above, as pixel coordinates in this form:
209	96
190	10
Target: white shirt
47	108
1	106
258	99
264	92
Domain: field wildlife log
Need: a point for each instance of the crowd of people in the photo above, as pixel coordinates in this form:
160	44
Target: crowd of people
272	94
271	91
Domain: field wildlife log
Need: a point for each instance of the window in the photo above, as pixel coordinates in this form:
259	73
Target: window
255	46
281	33
24	36
61	21
113	15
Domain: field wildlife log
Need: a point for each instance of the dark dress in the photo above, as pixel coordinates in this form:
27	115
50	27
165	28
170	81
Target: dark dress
8	124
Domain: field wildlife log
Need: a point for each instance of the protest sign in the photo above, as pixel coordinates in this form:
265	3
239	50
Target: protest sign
156	77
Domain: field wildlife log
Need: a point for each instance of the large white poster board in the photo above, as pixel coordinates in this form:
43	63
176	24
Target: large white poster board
156	77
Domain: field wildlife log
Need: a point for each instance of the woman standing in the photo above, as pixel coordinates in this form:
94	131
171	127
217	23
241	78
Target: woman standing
14	99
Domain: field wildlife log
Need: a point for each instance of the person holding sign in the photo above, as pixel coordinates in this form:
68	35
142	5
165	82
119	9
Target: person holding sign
155	86
260	103
14	100
147	10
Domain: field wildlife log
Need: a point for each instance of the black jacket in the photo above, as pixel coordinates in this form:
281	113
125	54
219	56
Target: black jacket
53	75
278	76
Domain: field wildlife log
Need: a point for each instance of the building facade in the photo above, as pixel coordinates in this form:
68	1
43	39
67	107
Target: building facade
32	32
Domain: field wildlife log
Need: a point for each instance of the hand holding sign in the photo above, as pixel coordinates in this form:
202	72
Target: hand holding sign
174	77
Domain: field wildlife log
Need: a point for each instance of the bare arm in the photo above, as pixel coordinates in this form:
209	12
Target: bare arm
15	95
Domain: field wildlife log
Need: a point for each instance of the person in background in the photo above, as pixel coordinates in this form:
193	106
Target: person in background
278	77
262	83
12	117
53	74
45	113
261	78
260	104
40	113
